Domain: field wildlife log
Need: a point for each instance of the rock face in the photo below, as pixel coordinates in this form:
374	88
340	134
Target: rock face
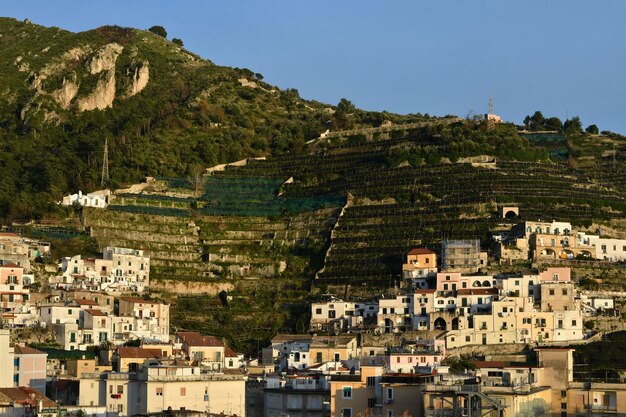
105	58
102	96
64	95
139	80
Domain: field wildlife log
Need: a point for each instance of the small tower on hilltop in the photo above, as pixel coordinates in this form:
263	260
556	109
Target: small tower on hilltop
491	117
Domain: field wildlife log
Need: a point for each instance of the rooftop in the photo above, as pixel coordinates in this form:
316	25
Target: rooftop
138	353
421	251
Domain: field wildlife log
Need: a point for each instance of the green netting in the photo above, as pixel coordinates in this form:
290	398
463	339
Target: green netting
544	138
226	196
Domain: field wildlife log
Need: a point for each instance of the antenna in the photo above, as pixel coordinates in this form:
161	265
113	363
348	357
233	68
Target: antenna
490	105
105	164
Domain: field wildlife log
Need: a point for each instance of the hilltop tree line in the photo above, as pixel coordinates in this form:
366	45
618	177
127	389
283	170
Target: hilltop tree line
538	122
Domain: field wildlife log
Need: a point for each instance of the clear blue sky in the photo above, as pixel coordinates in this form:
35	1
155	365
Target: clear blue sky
405	56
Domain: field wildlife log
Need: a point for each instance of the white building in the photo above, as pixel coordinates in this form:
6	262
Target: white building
97	199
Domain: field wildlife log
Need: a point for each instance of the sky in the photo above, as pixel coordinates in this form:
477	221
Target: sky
562	57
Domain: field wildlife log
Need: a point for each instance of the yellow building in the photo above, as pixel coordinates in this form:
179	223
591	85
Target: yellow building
333	348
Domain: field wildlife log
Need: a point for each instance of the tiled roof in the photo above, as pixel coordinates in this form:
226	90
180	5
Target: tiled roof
24	395
421	251
138	300
196	339
96	313
25	350
229	353
139	353
10	265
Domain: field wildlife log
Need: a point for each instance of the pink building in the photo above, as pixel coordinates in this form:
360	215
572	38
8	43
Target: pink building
555	275
11	285
29	367
407	362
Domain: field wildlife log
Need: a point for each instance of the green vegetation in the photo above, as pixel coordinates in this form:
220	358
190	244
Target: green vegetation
192	112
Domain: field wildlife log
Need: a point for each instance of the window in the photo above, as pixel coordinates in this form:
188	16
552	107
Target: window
573	323
331	314
159	391
517	283
564	291
110	389
346	412
183	391
467	338
563	394
563	406
445	287
318	311
371	402
390	393
120	408
346	392
371	381
552	292
397	359
69	311
337	357
120	389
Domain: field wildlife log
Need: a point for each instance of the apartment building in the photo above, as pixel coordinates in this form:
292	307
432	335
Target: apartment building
307	395
131	269
156	387
333	348
12	292
339	315
606	249
207	350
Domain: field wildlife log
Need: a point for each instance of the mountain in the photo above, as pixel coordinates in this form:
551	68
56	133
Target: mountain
162	109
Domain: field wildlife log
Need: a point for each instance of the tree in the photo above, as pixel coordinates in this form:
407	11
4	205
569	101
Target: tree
537	121
573	125
197	179
159	30
178	42
592	129
346	106
553	123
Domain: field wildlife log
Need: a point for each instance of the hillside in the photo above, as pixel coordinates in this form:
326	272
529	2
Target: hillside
162	109
333	214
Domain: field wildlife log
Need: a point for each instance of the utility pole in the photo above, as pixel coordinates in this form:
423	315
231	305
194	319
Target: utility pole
105	164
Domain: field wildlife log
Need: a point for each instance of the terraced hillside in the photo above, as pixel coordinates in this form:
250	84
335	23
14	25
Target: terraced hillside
275	232
395	205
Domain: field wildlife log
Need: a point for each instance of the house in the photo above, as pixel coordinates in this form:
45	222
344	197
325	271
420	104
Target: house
25	402
289	351
154	387
131	268
420	263
307	393
127	359
97	199
12	291
207	350
29	368
151	318
333	348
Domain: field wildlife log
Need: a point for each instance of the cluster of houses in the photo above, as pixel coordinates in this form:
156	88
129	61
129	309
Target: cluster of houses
547	241
530	307
186	372
120	270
